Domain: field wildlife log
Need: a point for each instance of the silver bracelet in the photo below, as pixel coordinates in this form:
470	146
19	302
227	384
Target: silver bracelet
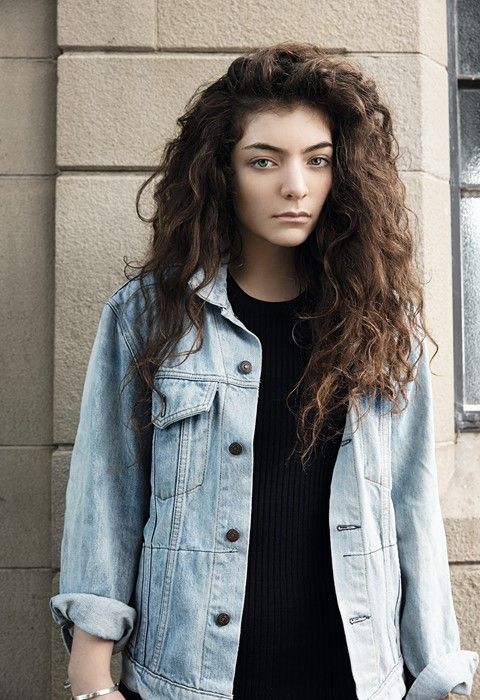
94	693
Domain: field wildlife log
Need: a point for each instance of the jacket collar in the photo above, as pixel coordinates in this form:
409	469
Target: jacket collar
216	291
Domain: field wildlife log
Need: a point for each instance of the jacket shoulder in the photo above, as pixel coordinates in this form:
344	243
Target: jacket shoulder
128	301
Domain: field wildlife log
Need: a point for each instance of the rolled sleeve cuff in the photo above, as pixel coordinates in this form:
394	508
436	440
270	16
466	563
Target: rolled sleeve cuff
103	617
451	673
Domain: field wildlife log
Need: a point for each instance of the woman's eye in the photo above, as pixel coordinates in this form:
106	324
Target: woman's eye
267	160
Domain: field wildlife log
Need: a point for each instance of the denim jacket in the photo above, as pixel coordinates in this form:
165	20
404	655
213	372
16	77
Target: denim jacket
146	557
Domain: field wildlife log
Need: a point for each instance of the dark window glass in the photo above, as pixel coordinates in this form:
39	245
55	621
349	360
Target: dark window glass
469	109
470	225
468	44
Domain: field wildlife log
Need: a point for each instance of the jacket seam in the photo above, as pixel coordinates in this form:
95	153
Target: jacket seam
385	499
214	558
374	641
223	379
124	332
377	483
188	549
219	343
386	679
372	551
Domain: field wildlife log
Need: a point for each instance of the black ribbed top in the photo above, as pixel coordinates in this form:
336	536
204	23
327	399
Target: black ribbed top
292	642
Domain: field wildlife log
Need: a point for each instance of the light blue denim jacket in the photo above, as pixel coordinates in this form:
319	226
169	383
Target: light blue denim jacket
145	557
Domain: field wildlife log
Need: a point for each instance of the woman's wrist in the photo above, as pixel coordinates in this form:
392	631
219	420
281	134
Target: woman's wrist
89	662
112	691
87	683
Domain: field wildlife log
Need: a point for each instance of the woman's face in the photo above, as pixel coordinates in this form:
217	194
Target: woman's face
282	163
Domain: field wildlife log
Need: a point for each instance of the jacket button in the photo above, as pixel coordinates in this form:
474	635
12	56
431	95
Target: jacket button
245	367
223	619
233	535
235	448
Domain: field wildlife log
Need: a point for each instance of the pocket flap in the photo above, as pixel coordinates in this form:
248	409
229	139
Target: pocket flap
180	397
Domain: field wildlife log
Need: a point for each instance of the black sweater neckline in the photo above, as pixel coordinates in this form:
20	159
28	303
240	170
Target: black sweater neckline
261	306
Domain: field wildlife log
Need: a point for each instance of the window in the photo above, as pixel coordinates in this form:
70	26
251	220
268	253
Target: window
464	99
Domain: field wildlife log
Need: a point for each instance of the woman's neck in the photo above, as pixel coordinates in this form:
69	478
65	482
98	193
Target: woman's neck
266	284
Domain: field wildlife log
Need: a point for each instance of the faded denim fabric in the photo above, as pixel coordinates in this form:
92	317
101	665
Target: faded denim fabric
145	560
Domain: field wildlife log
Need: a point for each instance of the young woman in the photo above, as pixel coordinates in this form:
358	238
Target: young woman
254	512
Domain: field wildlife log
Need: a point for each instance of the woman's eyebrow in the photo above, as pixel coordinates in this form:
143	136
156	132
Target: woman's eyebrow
269	147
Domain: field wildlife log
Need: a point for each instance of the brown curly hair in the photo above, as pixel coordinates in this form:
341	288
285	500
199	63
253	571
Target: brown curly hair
359	263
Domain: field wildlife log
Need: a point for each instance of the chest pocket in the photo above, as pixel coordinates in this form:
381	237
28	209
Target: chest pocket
182	430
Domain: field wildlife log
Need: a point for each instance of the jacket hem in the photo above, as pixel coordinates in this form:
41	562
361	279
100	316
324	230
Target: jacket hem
133	675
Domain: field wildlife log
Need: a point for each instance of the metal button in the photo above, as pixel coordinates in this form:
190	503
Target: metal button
233	535
245	367
223	618
235	448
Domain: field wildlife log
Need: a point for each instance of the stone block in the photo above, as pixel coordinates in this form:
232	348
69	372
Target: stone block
28	28
28	90
26	312
25	506
111	23
414	26
25	633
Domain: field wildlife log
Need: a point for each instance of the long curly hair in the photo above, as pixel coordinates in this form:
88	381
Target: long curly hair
359	263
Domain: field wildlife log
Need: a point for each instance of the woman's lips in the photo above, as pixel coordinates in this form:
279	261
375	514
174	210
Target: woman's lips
289	217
